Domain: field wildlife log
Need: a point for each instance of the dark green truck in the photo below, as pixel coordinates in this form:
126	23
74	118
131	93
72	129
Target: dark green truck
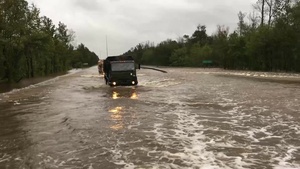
120	71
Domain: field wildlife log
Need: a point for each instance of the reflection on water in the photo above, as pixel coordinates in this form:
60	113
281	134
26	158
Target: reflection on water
117	118
119	113
115	95
124	93
116	110
134	96
117	126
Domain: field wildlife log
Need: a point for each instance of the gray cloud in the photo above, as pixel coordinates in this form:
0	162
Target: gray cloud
129	22
89	5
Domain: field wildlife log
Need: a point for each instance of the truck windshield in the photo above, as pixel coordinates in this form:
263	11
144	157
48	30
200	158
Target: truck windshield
122	66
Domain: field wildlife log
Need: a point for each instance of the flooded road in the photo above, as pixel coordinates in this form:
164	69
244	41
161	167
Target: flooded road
187	118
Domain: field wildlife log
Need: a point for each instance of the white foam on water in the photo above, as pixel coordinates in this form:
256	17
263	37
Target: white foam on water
72	71
73	159
5	158
271	121
205	73
160	83
283	161
91	166
129	166
262	74
251	135
189	133
16	103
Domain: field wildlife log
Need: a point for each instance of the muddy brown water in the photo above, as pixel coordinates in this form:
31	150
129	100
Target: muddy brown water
187	118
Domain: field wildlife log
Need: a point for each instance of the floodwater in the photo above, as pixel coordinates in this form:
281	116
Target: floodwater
187	118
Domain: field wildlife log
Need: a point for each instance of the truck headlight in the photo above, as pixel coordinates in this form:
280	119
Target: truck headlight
114	83
133	82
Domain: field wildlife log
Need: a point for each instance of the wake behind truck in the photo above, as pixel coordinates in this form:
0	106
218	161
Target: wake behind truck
120	71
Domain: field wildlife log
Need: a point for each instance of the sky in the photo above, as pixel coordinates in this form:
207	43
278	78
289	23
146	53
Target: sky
126	23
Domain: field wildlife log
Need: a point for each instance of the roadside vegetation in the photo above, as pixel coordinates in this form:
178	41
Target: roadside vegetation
268	39
32	45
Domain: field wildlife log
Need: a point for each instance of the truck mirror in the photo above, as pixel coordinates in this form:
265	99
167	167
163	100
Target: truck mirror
138	66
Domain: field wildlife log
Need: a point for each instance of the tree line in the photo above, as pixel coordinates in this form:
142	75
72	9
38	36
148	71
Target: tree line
31	45
268	39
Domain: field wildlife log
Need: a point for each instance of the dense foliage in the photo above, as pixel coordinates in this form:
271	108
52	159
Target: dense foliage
270	41
31	45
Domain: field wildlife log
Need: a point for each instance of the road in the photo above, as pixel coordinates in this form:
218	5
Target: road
186	118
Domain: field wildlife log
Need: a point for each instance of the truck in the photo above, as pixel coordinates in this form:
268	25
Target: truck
100	67
120	71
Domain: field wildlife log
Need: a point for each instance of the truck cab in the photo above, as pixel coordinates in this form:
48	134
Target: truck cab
120	71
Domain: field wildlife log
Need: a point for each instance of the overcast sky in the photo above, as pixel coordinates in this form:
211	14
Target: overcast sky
129	22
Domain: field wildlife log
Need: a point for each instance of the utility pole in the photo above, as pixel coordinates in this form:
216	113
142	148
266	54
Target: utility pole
106	47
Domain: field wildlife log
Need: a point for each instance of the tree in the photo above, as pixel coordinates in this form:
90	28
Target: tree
268	42
179	57
31	45
82	55
260	7
241	24
200	36
148	57
14	23
220	46
270	9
